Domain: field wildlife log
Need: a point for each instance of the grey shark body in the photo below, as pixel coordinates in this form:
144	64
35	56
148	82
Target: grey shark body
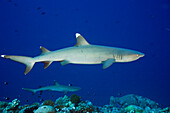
81	53
56	87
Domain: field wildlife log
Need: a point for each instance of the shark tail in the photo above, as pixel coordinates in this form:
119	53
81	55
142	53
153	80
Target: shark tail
32	90
28	61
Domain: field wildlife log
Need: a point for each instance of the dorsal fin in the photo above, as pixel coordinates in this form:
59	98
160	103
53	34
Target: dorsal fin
81	40
44	50
56	83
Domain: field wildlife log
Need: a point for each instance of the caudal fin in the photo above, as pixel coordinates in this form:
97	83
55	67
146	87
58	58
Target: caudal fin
28	61
32	90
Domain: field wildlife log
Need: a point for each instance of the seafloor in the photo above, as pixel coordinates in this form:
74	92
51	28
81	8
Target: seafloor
73	104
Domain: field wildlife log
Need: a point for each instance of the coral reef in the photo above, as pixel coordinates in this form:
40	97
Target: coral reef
74	104
62	101
29	109
134	108
75	99
48	102
45	109
85	106
132	99
3	105
166	110
12	106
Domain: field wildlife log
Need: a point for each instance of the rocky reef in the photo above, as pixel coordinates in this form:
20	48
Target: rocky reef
73	104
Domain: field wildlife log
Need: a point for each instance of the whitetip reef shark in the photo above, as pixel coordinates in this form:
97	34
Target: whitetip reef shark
81	53
56	87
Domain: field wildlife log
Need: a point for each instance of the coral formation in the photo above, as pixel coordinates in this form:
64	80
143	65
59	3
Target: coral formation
29	109
74	104
75	99
134	108
48	102
45	109
12	106
62	101
3	106
166	110
132	99
85	106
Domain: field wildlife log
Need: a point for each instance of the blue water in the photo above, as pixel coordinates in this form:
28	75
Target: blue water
140	25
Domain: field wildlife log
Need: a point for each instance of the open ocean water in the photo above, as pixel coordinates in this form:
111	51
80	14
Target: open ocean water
142	25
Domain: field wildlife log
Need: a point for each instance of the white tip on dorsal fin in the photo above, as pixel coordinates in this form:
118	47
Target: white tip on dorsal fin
77	35
81	40
44	50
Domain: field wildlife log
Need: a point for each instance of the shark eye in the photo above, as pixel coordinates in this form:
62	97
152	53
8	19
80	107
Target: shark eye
138	55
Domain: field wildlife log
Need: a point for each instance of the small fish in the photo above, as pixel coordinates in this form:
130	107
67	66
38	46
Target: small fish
6	98
43	13
41	92
40	86
119	94
6	83
69	84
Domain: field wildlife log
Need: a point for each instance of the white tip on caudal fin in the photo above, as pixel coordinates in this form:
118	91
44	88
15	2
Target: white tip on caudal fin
3	56
28	61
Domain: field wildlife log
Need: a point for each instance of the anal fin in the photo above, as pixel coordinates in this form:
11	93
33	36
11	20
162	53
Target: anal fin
108	63
46	64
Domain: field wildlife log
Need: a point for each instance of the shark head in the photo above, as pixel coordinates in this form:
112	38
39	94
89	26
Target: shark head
132	55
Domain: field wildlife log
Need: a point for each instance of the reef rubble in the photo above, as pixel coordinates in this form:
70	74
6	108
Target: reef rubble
74	104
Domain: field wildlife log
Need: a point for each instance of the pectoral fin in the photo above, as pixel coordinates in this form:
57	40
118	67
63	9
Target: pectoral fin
64	62
108	63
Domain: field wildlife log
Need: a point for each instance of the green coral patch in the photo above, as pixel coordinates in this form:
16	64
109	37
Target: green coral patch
133	108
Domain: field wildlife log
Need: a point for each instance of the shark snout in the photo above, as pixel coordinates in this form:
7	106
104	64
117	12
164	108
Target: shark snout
134	56
141	54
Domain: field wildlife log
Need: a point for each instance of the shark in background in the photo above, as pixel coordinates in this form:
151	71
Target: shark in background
56	87
81	53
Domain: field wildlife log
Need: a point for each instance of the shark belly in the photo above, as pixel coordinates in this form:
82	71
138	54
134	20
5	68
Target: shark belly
87	55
